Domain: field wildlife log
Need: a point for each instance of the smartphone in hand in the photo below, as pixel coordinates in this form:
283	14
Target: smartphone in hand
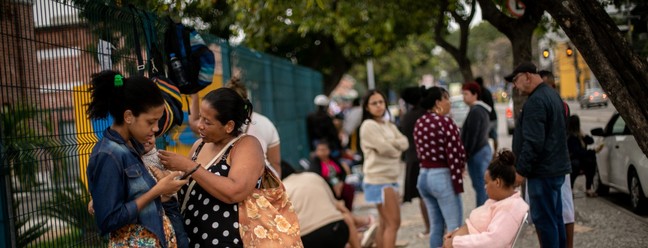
186	175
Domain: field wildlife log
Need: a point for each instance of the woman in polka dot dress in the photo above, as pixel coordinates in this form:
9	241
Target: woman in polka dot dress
211	212
442	160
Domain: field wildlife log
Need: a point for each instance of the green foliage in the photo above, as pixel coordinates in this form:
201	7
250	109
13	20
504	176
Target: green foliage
403	66
330	36
361	28
27	235
59	241
26	142
69	204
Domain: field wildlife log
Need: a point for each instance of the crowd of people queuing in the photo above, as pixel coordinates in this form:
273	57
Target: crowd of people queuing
146	197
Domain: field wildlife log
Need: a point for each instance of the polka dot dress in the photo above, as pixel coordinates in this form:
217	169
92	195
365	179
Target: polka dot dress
208	221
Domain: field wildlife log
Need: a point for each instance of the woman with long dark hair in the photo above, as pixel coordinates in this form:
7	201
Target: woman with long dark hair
382	145
412	96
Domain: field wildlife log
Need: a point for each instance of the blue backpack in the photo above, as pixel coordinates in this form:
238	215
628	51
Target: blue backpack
190	62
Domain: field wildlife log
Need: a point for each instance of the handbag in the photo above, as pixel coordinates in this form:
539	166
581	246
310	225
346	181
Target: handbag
267	217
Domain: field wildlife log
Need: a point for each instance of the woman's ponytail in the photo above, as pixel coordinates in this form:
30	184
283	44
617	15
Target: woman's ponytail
112	94
105	88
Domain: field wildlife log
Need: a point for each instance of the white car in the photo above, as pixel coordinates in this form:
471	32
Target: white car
621	163
458	110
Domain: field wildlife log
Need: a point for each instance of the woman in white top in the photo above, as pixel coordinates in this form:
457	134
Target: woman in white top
382	145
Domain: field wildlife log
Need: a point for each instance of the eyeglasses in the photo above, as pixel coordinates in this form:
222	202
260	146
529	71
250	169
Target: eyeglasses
517	76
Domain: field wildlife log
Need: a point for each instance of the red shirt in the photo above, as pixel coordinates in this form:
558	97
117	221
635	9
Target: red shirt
438	145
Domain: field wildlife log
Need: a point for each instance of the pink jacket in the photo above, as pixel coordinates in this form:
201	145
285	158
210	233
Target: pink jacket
494	224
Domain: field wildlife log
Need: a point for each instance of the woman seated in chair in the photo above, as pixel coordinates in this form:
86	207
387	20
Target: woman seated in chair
494	224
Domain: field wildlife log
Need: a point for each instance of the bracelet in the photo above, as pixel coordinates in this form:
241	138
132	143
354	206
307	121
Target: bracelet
191	171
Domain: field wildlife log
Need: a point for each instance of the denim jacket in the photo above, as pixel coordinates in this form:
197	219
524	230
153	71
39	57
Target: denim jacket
116	177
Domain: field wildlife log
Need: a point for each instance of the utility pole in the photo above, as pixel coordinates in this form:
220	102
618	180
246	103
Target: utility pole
371	83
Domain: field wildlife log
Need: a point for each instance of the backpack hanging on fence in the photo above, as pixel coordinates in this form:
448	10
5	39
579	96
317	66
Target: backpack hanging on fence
172	115
190	62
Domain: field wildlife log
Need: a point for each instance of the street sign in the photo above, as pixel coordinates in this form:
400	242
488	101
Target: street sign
515	7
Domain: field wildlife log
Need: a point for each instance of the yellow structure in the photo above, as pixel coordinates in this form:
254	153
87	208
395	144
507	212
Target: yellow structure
87	130
564	68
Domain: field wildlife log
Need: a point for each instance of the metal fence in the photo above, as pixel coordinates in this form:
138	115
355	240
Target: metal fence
49	50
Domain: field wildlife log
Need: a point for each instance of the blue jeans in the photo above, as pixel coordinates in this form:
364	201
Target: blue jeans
172	210
444	207
477	165
546	210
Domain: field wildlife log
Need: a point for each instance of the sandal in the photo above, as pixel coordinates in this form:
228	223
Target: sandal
368	236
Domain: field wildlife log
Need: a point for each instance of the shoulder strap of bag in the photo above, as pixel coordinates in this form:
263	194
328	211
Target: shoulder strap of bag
216	158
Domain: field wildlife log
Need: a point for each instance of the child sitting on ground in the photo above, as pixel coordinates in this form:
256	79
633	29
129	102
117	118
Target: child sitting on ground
494	224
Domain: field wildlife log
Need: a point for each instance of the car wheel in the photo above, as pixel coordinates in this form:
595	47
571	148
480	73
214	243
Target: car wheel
637	196
598	186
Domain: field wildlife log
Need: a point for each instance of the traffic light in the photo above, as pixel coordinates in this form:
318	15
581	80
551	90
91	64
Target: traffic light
569	51
545	53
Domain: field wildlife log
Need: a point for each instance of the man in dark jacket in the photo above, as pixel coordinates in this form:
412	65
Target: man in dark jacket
540	146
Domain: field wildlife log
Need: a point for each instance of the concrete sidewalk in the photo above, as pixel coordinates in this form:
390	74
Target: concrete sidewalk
598	222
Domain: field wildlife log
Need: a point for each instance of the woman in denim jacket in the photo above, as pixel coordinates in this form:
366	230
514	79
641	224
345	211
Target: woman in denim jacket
126	197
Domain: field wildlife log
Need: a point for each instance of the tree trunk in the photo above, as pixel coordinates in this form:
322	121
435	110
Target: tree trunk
459	53
519	31
465	67
620	71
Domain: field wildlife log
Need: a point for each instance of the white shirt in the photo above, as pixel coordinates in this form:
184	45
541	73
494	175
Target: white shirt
262	128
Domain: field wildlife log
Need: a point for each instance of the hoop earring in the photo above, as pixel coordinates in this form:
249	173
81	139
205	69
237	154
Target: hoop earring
438	110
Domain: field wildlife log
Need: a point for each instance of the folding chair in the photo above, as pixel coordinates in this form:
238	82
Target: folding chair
524	221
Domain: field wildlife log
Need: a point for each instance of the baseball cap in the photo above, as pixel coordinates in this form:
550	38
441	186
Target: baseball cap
321	100
522	67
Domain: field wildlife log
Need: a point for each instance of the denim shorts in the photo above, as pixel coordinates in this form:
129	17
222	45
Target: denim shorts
374	193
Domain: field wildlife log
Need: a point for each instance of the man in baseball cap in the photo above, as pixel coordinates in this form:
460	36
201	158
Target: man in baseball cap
542	157
521	68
